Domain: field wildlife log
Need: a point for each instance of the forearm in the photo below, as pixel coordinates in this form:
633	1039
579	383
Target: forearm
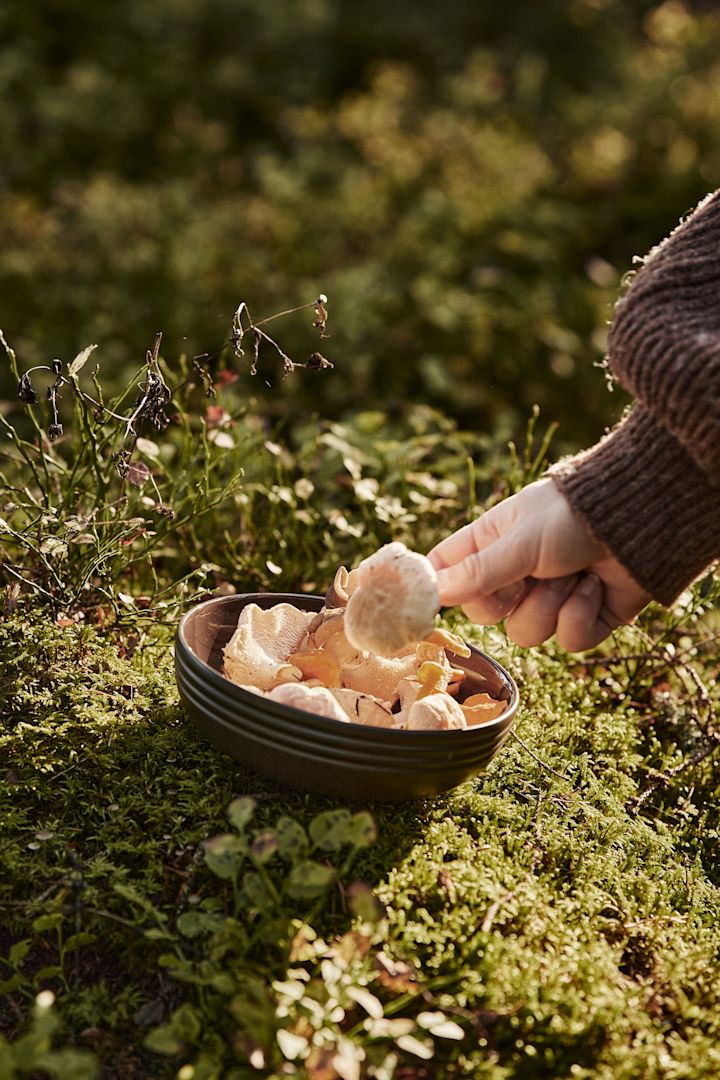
650	490
664	342
643	495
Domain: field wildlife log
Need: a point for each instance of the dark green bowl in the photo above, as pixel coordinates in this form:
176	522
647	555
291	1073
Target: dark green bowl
315	753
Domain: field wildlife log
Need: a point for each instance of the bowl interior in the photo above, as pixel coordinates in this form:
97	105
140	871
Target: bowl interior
206	629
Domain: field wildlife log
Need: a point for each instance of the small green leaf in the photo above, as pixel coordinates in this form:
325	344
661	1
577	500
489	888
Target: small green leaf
329	831
157	933
364	903
224	855
362	830
52	971
186	1024
264	846
76	941
255	892
163	1040
47	922
192	924
224	983
309	879
18	952
15	982
69	1064
292	839
240	811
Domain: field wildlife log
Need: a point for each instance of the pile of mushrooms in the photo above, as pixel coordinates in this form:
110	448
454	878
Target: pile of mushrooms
372	655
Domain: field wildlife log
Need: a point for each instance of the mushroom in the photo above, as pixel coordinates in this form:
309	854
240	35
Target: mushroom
257	652
393	600
363	708
378	675
314	699
337	594
361	671
408	690
318	664
332	622
436	712
481	708
450	641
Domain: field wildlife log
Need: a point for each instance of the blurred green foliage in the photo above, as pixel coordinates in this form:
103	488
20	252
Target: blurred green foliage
468	182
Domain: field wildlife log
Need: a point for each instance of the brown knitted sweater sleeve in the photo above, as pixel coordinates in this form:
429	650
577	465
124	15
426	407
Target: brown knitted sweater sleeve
650	490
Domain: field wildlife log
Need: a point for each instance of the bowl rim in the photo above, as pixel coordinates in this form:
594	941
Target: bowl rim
327	724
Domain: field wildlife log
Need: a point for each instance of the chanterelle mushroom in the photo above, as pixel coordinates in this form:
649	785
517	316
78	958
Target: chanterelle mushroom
257	652
393	600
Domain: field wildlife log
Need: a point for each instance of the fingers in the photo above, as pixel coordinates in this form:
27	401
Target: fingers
486	610
466	541
484	573
584	620
572	608
535	618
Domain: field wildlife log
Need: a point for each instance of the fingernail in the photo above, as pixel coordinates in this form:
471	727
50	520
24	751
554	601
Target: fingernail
588	585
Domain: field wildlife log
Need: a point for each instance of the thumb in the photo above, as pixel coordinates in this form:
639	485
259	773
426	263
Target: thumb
503	563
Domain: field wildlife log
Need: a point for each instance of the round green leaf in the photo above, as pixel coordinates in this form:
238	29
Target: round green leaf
329	830
309	879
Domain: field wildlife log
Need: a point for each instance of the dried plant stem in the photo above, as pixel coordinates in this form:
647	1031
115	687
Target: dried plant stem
539	760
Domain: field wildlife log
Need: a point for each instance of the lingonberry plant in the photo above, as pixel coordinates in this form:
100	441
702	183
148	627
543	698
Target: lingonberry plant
91	504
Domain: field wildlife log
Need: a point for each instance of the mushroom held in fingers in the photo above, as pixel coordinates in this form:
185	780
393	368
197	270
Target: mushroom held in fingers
393	600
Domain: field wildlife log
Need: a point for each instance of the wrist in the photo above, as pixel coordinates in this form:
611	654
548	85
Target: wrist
640	494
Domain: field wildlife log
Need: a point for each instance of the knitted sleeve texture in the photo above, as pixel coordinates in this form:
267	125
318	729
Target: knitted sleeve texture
650	490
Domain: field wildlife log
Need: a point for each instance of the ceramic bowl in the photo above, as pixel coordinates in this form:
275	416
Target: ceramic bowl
314	753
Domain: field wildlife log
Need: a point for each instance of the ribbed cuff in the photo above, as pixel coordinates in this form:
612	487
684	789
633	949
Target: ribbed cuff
642	495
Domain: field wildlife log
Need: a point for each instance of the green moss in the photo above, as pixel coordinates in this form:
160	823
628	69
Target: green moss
568	933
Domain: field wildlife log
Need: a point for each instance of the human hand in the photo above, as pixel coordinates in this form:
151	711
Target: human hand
531	560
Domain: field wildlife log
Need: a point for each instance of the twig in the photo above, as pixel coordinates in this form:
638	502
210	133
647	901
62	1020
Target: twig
539	760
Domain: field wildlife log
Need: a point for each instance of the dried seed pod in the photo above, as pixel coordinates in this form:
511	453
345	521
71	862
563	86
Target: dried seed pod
26	392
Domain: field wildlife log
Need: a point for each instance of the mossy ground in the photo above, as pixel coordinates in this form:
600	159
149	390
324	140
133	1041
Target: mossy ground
571	929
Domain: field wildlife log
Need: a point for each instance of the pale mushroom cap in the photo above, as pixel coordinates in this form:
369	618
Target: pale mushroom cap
393	600
257	652
314	699
363	708
436	712
378	675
